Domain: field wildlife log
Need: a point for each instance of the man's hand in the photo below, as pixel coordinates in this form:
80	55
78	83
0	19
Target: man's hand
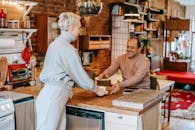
103	76
101	91
116	88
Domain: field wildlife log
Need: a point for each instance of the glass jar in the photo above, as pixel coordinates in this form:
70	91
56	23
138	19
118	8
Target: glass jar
26	21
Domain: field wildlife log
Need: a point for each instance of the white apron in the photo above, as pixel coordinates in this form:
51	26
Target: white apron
50	107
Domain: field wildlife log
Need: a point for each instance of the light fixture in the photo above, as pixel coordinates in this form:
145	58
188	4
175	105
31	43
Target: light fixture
90	7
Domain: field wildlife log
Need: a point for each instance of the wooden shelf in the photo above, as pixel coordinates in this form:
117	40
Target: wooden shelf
134	20
7	32
143	13
140	32
147	29
95	42
134	15
131	4
153	20
154	10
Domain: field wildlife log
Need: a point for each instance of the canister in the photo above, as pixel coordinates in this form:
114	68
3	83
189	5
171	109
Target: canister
2	18
15	24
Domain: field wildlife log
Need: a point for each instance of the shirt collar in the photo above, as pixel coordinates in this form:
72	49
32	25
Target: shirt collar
136	55
67	36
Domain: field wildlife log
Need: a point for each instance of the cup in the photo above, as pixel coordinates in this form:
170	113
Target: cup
102	87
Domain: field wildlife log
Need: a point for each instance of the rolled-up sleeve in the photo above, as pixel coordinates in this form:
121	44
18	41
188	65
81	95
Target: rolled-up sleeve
113	68
75	70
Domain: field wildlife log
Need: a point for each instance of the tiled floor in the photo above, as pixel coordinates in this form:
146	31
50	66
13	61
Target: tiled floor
178	124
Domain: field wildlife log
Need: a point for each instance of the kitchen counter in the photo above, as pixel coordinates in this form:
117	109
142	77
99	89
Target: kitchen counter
89	100
115	117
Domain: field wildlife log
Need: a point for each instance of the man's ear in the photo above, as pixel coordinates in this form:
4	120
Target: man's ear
140	48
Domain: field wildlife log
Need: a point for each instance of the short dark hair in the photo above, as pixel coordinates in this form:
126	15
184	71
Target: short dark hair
139	44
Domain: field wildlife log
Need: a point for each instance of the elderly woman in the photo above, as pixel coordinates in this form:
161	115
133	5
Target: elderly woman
62	67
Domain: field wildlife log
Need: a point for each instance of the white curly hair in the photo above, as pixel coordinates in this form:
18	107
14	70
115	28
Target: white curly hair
68	18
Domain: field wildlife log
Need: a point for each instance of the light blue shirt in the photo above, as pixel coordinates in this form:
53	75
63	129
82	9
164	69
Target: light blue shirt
62	65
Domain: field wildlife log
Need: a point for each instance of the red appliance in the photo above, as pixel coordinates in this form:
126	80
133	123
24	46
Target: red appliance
17	73
2	18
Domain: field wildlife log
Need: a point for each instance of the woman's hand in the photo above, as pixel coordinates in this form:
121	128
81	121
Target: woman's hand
116	88
101	91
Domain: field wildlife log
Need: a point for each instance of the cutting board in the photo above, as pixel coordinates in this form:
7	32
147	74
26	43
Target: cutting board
138	99
3	74
3	70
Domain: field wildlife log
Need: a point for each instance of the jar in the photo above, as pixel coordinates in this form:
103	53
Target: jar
14	24
26	21
2	18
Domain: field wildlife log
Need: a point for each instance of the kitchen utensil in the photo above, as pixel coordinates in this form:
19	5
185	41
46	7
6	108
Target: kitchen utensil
3	70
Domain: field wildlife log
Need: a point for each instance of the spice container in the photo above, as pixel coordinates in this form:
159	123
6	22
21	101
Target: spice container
2	18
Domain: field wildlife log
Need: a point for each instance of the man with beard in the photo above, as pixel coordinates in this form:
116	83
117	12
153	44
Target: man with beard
134	67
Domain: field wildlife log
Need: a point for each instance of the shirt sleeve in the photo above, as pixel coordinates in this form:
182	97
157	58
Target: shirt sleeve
141	70
77	73
113	68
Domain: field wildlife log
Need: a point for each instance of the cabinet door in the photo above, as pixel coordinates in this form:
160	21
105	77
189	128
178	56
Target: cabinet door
24	113
42	33
117	126
116	121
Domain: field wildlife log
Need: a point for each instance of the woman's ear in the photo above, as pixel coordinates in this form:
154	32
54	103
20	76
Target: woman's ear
70	28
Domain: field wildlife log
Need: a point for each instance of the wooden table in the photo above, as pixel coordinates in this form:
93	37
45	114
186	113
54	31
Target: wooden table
167	85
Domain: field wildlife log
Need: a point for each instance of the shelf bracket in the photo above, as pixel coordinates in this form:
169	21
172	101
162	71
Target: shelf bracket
29	5
30	34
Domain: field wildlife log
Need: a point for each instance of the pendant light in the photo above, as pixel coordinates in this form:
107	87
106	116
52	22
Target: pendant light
90	7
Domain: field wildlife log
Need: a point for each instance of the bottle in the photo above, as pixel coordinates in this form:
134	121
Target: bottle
26	21
2	18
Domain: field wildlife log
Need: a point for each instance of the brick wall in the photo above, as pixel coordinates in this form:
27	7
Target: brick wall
175	9
100	24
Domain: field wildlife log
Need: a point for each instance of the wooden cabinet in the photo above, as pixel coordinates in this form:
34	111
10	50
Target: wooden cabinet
116	121
176	65
155	61
148	120
42	35
94	42
47	31
24	112
177	24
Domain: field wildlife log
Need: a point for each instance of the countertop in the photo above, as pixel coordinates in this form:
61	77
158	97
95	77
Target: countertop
89	100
